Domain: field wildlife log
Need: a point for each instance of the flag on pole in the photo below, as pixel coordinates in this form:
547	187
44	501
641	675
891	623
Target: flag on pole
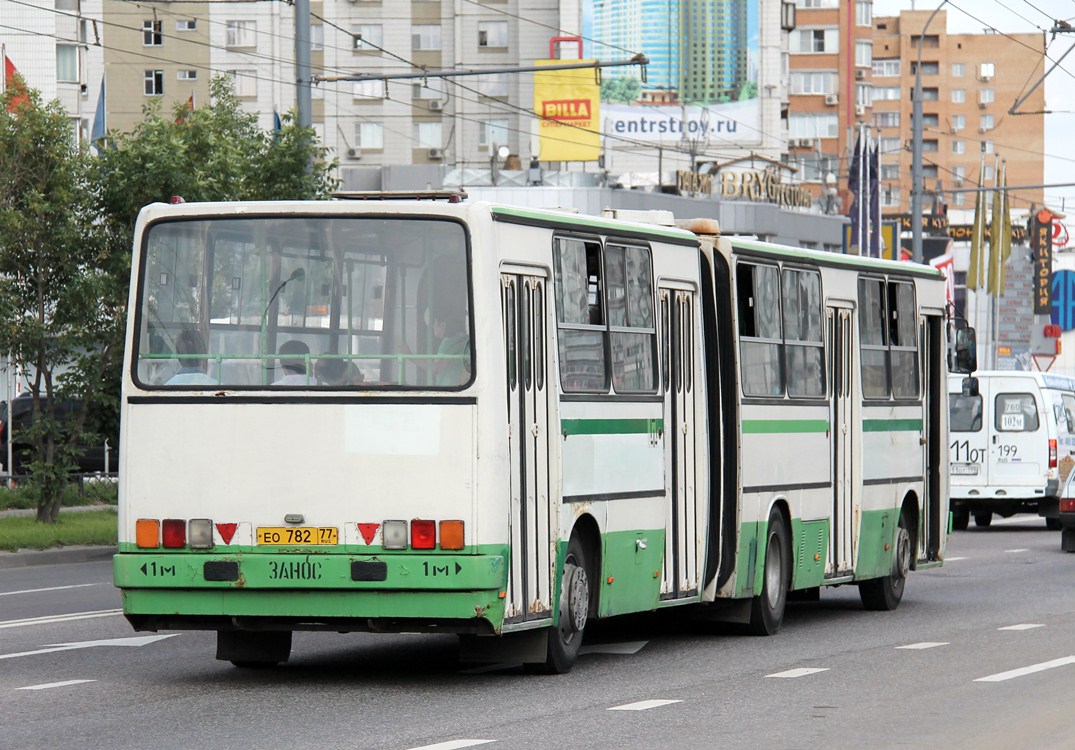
190	108
100	127
15	82
874	224
976	274
995	231
854	185
1005	232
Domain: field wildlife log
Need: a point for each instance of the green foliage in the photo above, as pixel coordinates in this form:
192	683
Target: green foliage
88	491
95	527
620	89
749	90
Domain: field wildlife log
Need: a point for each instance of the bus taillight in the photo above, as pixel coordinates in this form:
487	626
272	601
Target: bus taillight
1052	454
394	535
147	533
423	534
451	535
174	533
200	533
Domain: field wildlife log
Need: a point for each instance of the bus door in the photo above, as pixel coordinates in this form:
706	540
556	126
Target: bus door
842	368
934	379
678	309
534	520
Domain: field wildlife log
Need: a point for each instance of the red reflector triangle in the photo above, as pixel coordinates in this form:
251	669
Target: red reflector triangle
368	531
226	531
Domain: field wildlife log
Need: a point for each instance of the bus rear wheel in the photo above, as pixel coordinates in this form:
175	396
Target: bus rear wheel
767	610
884	594
565	638
983	519
960	519
253	650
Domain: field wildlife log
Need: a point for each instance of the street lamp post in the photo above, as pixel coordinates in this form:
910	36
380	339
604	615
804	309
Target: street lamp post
916	146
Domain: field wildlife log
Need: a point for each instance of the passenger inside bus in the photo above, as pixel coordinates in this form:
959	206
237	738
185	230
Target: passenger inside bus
293	356
191	354
451	366
334	371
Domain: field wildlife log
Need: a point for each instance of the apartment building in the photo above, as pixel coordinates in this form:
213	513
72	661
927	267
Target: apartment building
969	82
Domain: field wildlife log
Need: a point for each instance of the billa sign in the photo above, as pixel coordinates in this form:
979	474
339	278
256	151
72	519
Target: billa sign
568	104
1041	242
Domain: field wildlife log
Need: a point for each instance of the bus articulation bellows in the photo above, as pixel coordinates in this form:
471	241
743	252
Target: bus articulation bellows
461	417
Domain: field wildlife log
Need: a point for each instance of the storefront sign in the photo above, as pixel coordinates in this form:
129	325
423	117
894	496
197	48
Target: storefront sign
1041	242
763	187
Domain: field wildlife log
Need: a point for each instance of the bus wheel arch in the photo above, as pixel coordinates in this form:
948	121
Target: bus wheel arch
885	593
576	600
767	608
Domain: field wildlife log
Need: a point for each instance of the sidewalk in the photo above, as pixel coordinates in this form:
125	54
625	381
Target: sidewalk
56	555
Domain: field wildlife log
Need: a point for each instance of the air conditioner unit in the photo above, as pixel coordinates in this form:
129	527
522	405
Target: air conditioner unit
832	99
354	153
436	105
986	79
983	130
860	75
860	110
801	143
436	153
981	105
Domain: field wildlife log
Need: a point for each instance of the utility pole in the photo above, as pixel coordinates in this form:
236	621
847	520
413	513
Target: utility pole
303	74
916	146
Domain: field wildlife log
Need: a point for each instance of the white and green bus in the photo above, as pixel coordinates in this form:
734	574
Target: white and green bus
443	416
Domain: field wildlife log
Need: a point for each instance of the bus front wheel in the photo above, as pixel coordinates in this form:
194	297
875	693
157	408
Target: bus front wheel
885	593
565	638
960	519
767	610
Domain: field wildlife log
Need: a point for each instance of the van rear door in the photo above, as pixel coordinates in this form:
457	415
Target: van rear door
1019	435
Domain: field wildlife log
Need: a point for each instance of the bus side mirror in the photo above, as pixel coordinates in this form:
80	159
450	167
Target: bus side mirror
970	387
966	351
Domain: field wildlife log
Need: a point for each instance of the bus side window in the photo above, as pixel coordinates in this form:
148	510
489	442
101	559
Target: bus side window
761	342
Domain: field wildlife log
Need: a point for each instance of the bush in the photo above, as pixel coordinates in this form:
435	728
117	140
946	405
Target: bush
83	490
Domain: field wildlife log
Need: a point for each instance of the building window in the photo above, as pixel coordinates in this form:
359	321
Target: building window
988	174
493	84
890	197
369	136
317	37
240	33
864	94
959	122
890	145
986	96
368	36
959	147
154	82
930	121
492	133
815	40
959	199
959	174
806	125
930	94
864	13
890	171
67	63
186	75
492	33
988	146
958	70
985	71
427	91
886	119
817	3
930	144
369	90
928	68
425	37
985	122
246	83
427	135
813	82
151	34
959	96
886	93
886	68
187	24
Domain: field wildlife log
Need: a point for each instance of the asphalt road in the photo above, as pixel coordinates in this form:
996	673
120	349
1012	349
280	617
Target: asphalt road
977	656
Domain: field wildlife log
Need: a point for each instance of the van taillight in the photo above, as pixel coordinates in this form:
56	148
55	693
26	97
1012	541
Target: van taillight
1052	454
1067	505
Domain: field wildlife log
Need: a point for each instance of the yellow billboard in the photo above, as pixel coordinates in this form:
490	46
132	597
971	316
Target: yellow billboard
568	106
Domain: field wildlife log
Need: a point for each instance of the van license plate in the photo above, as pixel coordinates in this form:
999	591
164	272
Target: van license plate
963	469
298	535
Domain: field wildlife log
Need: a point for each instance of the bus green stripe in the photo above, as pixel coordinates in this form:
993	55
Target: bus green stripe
771	426
610	426
577	221
891	425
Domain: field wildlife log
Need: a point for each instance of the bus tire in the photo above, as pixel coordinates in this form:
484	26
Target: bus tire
983	518
884	594
960	519
253	650
767	609
576	593
1053	524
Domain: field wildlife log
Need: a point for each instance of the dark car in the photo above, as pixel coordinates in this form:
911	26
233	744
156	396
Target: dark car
89	458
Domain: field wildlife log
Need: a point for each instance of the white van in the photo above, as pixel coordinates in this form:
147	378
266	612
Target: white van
1007	442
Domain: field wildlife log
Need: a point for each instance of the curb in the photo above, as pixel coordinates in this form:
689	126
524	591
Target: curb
58	556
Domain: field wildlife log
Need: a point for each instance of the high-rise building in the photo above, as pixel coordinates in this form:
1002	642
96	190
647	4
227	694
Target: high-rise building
969	82
713	50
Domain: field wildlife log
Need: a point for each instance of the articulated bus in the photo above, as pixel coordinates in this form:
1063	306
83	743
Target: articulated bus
459	417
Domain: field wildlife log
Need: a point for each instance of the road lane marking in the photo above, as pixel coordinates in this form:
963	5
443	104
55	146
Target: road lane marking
923	645
54	685
142	640
643	705
1023	671
1022	626
954	559
800	672
1014	551
625	647
52	619
453	745
53	588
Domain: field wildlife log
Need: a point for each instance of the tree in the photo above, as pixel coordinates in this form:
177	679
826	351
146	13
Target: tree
620	89
51	280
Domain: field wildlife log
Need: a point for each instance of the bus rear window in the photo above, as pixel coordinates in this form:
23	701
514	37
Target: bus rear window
965	413
304	302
